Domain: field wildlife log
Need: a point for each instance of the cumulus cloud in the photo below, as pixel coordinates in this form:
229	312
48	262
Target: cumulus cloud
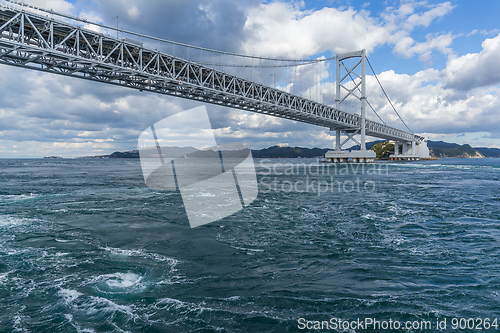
284	30
60	6
407	46
67	110
409	18
287	30
475	70
430	107
216	24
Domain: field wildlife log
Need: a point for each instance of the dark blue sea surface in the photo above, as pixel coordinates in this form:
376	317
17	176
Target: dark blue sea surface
85	246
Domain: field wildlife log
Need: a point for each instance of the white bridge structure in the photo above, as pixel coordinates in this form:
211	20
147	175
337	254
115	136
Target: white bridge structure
35	40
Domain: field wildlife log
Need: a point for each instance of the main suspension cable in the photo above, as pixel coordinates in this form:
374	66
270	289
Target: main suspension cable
75	18
380	84
267	66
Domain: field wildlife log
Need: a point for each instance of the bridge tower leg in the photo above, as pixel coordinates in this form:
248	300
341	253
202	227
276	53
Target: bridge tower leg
338	147
357	75
363	100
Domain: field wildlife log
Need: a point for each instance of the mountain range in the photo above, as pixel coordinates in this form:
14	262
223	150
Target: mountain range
438	149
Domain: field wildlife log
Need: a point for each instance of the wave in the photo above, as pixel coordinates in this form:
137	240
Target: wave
471	166
3	278
8	198
142	253
247	249
69	295
93	305
10	221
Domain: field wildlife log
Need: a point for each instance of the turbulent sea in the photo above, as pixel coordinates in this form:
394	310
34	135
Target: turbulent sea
85	246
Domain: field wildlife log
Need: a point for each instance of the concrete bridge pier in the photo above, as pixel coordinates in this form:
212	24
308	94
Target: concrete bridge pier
411	151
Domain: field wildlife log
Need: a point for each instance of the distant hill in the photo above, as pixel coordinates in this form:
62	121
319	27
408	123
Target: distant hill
439	149
442	144
125	154
271	152
289	152
489	152
369	145
444	149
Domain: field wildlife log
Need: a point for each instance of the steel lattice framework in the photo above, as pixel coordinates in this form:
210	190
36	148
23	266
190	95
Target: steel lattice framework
37	42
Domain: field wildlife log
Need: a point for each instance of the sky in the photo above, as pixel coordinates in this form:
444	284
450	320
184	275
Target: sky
437	60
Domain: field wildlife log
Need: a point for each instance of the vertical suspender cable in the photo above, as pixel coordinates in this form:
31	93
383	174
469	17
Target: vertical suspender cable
388	98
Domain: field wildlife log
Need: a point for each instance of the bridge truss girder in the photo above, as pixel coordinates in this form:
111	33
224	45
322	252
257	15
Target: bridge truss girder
33	41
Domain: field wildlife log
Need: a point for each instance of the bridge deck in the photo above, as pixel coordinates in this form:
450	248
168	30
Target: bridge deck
37	42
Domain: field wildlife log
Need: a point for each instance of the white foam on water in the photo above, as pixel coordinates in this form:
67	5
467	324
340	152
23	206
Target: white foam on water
98	304
69	317
175	279
205	194
132	282
69	295
93	305
448	166
417	252
166	194
17	197
119	283
62	210
395	240
122	280
85	330
13	252
10	221
124	252
309	215
3	278
247	249
17	323
141	253
172	303
62	240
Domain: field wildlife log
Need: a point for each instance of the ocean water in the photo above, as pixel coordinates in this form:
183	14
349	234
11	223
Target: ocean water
85	246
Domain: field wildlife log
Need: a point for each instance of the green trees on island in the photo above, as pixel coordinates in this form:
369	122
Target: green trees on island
383	149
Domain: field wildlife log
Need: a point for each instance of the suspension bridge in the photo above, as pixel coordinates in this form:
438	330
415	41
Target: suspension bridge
33	38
